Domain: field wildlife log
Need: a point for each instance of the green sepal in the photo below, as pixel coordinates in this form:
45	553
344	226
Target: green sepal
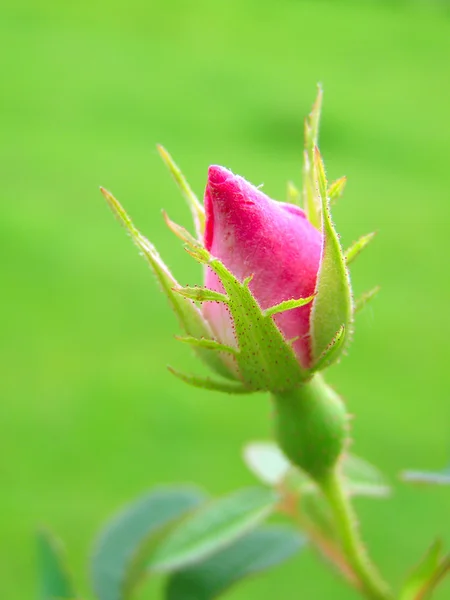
266	361
293	195
197	210
332	305
332	352
287	305
365	298
207	383
336	189
357	247
209	344
201	294
181	233
311	200
189	316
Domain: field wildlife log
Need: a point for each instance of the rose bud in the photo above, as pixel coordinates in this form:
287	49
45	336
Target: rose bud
276	306
271	241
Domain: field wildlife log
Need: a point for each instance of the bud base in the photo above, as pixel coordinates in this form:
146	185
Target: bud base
311	426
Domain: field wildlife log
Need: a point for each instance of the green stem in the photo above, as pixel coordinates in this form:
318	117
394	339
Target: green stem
372	585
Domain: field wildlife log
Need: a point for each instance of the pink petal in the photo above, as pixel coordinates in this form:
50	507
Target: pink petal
273	241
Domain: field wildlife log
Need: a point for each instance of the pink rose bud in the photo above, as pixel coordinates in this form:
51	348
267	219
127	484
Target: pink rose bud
253	235
277	307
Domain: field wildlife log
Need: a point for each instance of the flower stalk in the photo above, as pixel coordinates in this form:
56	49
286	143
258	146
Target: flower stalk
371	584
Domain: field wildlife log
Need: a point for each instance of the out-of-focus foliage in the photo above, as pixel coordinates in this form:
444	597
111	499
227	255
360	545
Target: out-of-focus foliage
90	417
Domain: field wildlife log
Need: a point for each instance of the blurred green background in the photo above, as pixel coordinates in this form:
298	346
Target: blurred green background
90	417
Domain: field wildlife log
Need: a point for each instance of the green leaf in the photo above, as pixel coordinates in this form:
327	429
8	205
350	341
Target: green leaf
311	200
207	383
357	247
427	477
293	194
336	189
365	298
364	479
332	306
119	561
287	305
197	210
267	462
54	580
188	314
423	573
214	527
258	551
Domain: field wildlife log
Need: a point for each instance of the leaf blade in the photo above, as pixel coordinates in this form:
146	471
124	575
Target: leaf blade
54	579
267	462
118	561
427	477
213	528
262	549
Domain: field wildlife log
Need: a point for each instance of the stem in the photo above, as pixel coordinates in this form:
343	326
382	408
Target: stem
325	547
372	585
329	551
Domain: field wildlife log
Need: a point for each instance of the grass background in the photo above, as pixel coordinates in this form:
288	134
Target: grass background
89	415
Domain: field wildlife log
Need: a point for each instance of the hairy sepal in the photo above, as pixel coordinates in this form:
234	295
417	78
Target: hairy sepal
357	247
189	316
332	306
293	195
365	298
336	189
197	210
311	200
265	360
207	383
